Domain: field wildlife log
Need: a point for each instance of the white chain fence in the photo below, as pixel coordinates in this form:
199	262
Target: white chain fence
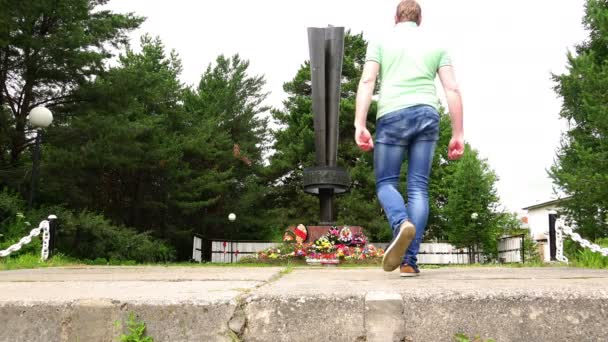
563	230
43	228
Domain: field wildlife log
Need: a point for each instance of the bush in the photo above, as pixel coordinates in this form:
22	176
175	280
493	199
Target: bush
531	253
10	205
83	235
87	235
13	223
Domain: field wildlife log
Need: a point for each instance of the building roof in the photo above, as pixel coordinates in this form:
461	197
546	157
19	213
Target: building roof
546	204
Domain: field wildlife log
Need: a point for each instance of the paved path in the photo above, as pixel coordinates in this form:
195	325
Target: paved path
304	304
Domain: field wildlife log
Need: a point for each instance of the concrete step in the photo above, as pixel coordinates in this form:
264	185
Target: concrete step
306	304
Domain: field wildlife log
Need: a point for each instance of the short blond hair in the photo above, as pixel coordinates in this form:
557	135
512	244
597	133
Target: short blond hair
408	10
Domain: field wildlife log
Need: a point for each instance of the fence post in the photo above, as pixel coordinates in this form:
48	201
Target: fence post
52	234
523	250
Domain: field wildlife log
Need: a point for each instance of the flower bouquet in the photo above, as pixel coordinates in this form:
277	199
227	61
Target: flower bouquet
328	250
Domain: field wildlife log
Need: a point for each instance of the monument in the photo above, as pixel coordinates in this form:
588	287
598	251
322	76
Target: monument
326	179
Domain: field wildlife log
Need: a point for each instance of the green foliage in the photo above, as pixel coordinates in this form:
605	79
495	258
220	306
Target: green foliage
10	205
232	98
86	235
440	182
83	235
583	257
32	260
120	145
13	223
460	337
531	253
137	331
587	258
47	49
581	161
471	209
156	156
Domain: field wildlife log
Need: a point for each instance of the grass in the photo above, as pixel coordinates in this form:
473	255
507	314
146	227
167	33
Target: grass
29	261
136	329
33	261
460	337
287	270
588	259
506	265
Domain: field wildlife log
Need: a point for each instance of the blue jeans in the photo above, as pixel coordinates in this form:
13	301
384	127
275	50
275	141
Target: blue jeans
413	131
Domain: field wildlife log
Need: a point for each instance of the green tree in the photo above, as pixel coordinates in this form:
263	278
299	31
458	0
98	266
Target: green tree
582	160
232	100
48	49
119	144
440	182
151	154
471	210
118	150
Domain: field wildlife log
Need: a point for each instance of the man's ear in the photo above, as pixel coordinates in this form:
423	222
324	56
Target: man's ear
396	19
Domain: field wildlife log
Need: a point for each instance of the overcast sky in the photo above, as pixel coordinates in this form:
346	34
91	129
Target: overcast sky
503	51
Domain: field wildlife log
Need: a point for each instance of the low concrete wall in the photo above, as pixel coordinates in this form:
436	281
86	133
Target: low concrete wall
308	304
104	321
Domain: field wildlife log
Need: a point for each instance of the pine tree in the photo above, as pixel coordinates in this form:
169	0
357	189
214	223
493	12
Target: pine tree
119	148
232	99
582	160
472	205
47	49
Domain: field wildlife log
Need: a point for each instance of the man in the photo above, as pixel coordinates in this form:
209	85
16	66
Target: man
407	125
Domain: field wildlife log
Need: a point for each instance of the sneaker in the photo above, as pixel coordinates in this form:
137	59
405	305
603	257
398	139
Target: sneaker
393	256
409	271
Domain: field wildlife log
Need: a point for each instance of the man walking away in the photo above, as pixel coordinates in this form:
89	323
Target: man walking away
407	126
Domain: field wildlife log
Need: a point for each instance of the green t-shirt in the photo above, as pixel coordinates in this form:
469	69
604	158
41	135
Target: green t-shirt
409	60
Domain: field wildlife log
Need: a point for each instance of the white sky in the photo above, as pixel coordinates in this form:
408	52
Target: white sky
503	53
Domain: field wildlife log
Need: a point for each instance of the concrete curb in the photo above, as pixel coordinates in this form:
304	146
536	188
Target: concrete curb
368	318
393	317
104	321
322	305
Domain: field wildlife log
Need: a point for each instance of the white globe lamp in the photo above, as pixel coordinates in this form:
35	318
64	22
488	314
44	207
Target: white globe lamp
232	217
40	117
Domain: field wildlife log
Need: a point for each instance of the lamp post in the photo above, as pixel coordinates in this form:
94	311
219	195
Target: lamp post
473	254
231	218
40	117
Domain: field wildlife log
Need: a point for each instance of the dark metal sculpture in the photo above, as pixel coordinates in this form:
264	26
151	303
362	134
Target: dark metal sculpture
326	179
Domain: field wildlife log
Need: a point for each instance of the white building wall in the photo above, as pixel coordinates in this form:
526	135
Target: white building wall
538	220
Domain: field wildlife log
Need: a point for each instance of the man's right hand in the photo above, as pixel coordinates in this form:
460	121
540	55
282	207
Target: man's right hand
456	148
364	139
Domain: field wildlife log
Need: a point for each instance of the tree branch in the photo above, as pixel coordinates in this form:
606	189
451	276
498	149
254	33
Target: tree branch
54	99
27	143
10	101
